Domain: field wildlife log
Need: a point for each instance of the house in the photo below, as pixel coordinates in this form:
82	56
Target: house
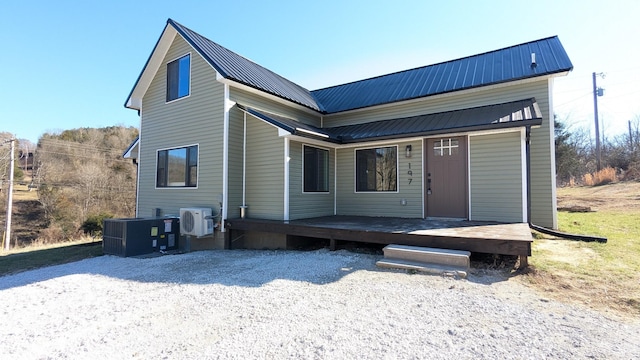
470	138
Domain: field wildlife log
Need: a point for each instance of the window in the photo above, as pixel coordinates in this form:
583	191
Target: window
178	72
316	169
445	147
178	167
377	169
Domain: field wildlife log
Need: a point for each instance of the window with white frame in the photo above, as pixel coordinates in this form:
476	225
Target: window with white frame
377	169
315	169
178	78
446	147
177	167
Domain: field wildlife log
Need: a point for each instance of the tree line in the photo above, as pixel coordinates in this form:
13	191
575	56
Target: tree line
576	155
81	178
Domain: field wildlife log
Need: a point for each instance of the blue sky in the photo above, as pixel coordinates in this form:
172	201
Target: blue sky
70	64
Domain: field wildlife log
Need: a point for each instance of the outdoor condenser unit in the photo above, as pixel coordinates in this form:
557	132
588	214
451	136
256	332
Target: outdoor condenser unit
139	236
196	221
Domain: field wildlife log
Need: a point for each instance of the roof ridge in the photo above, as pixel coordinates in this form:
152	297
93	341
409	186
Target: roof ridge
220	68
435	64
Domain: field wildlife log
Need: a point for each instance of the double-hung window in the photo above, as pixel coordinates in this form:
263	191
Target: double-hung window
178	78
178	167
316	169
377	169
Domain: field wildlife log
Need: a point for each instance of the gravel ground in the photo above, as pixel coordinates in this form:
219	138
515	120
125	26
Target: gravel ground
244	304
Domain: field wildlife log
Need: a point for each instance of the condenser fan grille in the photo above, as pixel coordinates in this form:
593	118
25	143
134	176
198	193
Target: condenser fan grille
188	221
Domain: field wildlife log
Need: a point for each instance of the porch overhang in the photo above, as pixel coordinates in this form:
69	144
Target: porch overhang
521	113
514	114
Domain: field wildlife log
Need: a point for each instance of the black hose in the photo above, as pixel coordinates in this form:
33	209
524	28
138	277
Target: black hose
564	235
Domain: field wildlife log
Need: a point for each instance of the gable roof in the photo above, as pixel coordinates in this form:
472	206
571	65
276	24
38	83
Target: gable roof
491	117
494	67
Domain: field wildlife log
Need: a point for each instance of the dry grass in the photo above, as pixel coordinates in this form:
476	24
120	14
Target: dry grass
605	277
605	176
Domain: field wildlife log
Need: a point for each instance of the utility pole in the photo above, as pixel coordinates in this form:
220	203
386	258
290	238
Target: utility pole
597	92
7	234
630	137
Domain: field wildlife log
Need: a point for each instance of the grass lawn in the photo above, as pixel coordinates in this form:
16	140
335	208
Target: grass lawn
33	257
603	276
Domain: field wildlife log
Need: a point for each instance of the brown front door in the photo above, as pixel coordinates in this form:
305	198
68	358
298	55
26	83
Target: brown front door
446	177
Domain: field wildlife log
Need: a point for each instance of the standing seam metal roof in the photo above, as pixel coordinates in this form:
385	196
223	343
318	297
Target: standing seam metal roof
508	64
498	116
235	67
494	67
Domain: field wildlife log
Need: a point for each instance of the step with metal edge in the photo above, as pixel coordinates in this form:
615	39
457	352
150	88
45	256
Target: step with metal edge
434	269
458	258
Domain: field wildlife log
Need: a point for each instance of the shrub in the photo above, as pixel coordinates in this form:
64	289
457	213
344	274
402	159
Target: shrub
602	177
93	224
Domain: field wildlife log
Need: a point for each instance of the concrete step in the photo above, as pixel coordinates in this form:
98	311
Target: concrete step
435	269
456	258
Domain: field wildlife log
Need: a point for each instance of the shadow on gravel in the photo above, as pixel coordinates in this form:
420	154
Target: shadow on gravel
245	268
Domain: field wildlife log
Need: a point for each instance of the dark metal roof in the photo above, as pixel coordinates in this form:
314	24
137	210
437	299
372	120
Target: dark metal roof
498	116
508	64
235	67
507	115
293	126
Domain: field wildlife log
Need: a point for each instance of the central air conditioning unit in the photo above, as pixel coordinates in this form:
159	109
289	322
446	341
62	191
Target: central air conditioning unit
196	221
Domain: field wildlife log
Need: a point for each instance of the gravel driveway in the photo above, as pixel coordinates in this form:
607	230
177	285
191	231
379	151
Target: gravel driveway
280	304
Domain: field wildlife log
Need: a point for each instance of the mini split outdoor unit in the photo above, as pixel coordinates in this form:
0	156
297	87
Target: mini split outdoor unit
196	221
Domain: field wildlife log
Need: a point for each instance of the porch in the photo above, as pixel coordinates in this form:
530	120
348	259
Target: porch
474	236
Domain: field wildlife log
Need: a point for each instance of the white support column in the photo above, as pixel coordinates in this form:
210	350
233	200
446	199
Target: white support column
286	179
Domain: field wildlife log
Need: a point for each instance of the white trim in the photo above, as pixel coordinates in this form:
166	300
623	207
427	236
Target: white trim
355	171
523	164
335	181
138	167
244	161
469	176
302	170
151	68
312	133
225	159
287	159
177	187
423	164
136	145
449	94
167	78
266	95
552	147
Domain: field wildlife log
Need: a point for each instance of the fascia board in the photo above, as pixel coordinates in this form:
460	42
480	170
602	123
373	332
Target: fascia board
134	101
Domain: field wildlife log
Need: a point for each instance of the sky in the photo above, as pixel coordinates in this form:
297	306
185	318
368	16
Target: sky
70	64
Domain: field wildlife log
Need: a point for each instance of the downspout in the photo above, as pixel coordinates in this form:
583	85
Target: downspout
228	104
286	179
541	229
244	161
528	161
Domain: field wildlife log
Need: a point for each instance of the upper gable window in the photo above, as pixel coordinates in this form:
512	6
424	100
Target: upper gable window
178	78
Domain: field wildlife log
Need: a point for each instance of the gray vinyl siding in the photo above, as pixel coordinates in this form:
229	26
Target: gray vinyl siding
236	138
265	171
542	170
496	177
261	103
350	202
195	119
307	205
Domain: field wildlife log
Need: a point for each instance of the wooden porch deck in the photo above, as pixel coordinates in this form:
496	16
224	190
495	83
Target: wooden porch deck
474	236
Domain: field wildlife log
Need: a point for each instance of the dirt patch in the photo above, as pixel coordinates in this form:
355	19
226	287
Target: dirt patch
617	196
27	221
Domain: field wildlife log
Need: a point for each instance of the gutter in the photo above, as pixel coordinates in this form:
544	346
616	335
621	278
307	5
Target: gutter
544	230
